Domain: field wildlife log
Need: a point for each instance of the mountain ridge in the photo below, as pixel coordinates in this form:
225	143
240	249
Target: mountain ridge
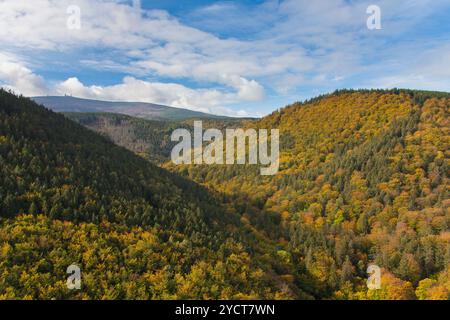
137	231
363	180
137	109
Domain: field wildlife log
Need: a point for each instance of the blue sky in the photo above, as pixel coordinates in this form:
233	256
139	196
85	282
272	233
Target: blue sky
225	57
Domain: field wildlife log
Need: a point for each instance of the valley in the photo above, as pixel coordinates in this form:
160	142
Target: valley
364	178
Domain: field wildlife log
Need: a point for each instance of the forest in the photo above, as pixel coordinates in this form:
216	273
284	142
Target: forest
364	179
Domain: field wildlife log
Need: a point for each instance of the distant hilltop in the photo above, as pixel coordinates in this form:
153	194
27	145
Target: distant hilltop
136	109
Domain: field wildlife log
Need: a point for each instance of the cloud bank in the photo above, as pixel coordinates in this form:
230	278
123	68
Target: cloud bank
219	57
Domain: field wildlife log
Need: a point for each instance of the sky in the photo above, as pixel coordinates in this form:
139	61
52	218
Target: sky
236	58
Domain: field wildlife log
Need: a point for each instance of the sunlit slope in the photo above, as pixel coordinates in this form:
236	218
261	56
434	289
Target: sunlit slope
364	178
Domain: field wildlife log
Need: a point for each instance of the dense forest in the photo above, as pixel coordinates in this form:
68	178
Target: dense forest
364	178
68	195
148	138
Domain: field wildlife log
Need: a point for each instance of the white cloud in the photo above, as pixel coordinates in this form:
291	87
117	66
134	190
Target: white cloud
156	44
285	46
14	75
